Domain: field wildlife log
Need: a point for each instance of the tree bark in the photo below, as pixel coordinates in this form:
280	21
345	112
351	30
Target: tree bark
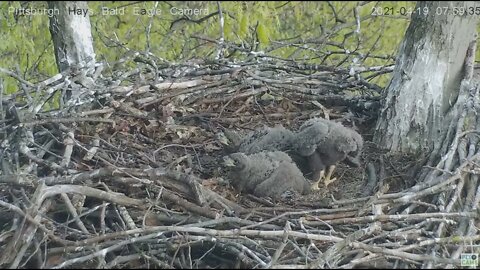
429	69
71	34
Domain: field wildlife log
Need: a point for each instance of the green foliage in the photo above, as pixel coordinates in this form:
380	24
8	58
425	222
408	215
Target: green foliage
243	28
301	31
263	34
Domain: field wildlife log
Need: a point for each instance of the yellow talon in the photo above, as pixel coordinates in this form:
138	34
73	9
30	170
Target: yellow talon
315	186
328	180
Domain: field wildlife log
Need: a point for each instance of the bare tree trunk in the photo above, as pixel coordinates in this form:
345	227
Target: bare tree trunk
71	34
426	82
432	106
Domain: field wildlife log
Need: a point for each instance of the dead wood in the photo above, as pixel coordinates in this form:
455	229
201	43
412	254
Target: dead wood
128	174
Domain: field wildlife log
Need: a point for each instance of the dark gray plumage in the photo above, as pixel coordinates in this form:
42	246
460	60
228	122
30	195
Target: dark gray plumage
325	143
262	139
266	174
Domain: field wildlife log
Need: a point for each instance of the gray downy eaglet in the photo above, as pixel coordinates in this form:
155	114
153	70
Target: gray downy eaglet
266	174
325	143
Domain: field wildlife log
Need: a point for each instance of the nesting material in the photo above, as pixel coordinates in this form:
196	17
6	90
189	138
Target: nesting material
325	143
266	174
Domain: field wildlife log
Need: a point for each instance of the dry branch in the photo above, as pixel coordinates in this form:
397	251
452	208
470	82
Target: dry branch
145	160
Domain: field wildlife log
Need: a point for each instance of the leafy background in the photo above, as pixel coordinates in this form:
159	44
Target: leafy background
301	31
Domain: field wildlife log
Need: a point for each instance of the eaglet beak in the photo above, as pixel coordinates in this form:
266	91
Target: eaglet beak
223	139
352	161
228	162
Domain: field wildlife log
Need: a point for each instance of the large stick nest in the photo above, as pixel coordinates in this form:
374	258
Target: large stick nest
127	174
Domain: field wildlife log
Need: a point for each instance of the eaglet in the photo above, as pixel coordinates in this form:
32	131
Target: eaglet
266	174
325	143
261	139
277	138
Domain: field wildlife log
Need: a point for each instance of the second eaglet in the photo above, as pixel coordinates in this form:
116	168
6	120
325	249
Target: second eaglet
325	143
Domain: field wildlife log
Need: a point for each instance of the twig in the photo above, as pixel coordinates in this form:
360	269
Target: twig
402	254
114	197
65	120
282	246
74	213
403	217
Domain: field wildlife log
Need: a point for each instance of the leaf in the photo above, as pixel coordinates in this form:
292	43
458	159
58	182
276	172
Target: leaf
243	27
227	29
262	34
267	97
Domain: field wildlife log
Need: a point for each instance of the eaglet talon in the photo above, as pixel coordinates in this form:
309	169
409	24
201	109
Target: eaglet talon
315	186
328	180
